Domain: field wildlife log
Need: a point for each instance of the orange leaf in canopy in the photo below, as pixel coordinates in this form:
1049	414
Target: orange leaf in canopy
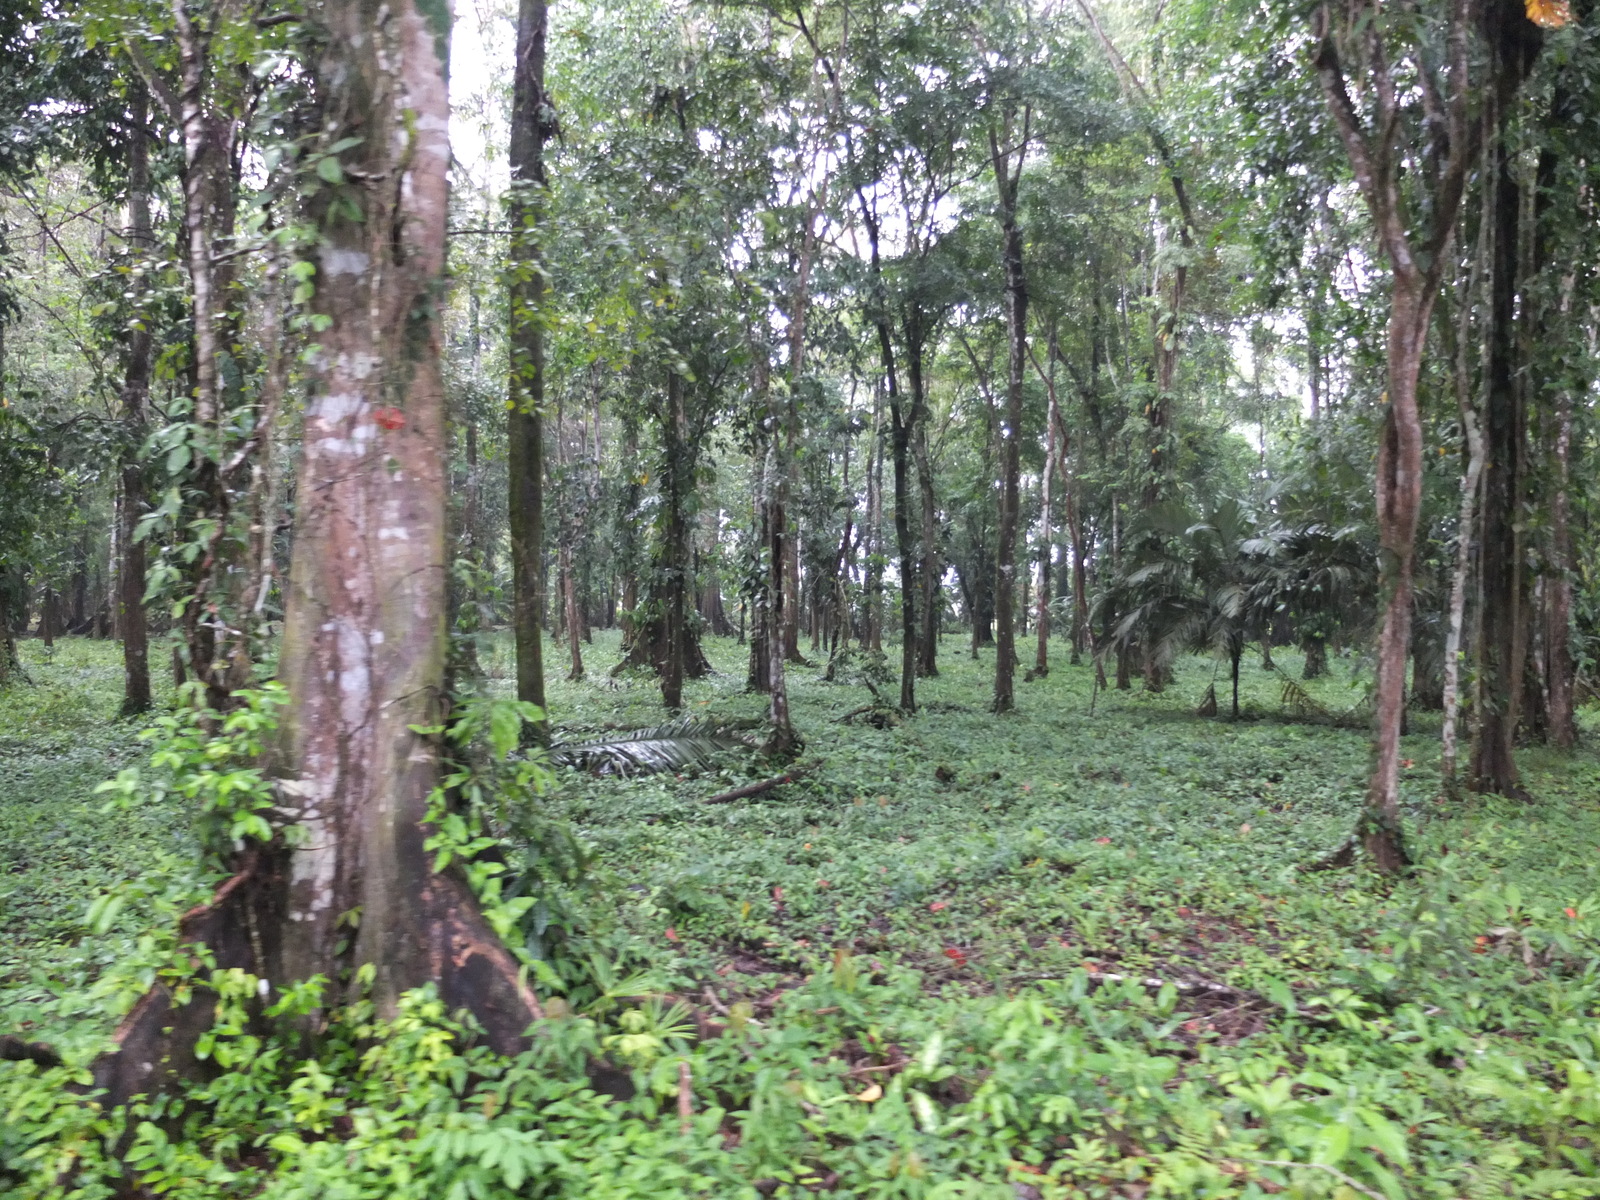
1548	14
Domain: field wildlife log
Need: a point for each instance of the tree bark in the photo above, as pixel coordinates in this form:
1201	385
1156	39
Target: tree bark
525	419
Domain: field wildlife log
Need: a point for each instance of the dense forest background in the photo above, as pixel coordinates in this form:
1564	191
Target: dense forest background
857	325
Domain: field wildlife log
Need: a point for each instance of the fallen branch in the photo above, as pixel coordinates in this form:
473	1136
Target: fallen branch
766	785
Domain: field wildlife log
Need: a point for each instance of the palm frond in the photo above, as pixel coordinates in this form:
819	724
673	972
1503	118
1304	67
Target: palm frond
674	746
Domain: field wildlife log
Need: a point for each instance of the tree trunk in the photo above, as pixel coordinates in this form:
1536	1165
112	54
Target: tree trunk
677	479
569	592
1041	657
1502	590
1559	669
1007	181
525	419
1235	653
131	619
873	635
364	643
929	568
1466	523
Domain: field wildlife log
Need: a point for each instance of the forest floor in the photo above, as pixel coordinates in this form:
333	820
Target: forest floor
967	955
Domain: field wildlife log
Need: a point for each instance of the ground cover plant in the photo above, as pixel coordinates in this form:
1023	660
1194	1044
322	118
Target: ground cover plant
1042	954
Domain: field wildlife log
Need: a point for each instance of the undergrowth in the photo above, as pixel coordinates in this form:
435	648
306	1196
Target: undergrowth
1043	955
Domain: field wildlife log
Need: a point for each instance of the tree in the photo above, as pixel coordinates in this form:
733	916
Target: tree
525	403
364	640
1192	585
1415	249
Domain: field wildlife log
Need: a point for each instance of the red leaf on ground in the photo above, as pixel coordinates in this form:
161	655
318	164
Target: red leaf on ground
390	418
1102	841
672	934
1571	912
940	906
955	956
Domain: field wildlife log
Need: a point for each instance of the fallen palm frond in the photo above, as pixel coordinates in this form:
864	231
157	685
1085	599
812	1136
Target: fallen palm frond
1307	707
674	746
1302	703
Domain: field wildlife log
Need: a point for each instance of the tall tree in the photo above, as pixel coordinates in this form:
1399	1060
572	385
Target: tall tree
1364	35
1009	135
525	404
364	640
1503	599
131	622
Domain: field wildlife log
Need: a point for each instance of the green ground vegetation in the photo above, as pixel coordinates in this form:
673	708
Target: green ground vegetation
1051	954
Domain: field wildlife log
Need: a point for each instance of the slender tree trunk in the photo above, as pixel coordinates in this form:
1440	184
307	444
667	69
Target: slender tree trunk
873	637
132	623
759	676
929	569
900	435
525	419
677	479
1558	584
1007	180
1052	462
1466	521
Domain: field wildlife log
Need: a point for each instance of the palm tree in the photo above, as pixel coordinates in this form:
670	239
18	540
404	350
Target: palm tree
1321	579
1191	587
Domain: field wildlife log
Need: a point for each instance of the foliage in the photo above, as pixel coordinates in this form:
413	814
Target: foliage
914	973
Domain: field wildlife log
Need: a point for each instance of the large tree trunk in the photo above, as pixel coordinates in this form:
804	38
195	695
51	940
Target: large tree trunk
1502	582
525	420
132	624
1007	181
364	642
